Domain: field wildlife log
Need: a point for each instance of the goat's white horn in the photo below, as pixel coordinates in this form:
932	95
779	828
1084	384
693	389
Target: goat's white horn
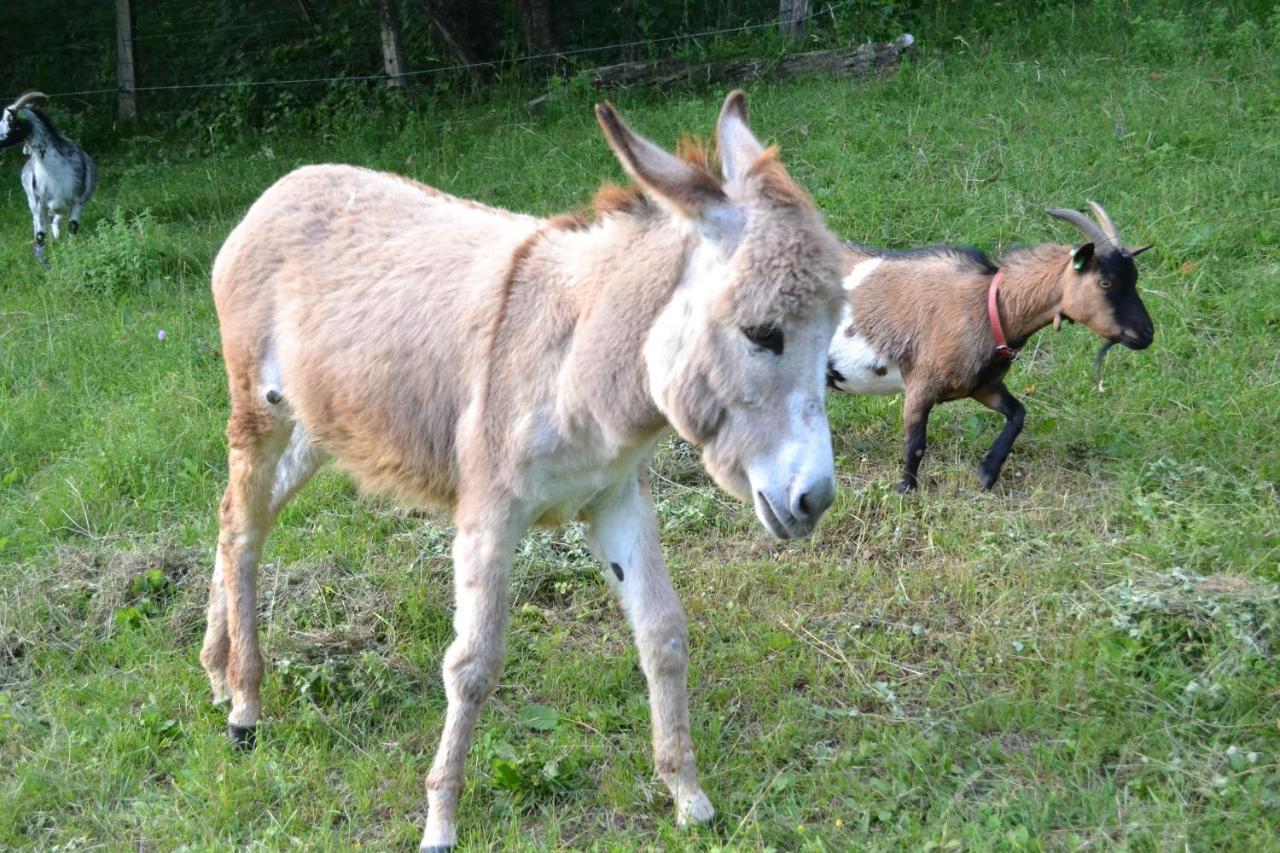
1108	227
26	97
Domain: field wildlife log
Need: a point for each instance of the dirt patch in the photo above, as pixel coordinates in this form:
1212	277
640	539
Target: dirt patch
80	593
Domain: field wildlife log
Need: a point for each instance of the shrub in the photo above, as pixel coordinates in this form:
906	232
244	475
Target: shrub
122	256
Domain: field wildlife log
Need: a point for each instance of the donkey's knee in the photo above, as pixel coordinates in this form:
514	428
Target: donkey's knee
471	674
664	645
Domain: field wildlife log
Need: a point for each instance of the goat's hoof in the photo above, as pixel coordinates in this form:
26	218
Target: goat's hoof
905	487
243	738
73	226
988	479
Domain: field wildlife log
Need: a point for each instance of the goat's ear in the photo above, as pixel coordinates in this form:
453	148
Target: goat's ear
1080	256
684	189
739	148
1140	250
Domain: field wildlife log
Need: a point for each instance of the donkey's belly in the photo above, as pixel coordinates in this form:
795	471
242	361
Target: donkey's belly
854	366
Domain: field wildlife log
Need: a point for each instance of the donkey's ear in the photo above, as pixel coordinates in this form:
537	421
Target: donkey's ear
739	148
690	190
686	189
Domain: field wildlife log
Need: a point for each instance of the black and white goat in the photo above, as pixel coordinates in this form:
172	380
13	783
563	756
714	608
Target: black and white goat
944	322
59	177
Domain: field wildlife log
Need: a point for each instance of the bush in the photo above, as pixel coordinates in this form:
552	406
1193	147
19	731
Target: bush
123	255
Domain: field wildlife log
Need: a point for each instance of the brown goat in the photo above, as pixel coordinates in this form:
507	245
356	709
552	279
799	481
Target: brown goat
932	322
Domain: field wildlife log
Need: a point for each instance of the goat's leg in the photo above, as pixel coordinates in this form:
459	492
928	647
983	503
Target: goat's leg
40	226
915	417
624	535
997	398
230	655
299	462
57	226
482	552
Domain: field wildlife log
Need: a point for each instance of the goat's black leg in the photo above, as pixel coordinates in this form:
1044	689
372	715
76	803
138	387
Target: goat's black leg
915	417
39	249
997	398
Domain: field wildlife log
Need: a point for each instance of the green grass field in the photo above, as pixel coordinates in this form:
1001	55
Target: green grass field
1083	659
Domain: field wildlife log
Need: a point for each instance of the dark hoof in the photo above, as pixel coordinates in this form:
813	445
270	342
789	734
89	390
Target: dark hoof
243	738
988	479
73	227
905	488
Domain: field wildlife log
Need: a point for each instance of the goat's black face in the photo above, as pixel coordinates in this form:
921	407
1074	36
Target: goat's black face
14	129
1118	279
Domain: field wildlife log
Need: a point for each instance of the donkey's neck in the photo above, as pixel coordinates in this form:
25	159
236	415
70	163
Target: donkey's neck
1031	290
623	273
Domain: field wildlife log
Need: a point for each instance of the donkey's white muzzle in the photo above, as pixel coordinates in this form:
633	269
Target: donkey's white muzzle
793	487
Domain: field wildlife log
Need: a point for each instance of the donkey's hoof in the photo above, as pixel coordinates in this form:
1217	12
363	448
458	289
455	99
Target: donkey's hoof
695	810
243	738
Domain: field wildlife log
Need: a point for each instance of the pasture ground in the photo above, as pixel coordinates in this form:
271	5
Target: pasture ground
1085	658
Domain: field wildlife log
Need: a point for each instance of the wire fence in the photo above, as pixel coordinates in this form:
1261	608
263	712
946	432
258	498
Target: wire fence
826	11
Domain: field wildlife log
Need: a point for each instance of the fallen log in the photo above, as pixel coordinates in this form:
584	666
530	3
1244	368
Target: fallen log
857	61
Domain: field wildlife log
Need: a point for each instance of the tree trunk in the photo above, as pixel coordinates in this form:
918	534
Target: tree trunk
307	12
793	18
392	51
445	28
539	33
128	105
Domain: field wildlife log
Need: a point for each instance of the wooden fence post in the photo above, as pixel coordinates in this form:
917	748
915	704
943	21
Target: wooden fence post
128	104
392	51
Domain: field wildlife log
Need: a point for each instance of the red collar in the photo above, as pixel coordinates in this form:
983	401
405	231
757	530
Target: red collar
1003	350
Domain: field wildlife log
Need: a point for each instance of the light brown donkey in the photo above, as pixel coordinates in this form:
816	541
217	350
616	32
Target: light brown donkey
521	370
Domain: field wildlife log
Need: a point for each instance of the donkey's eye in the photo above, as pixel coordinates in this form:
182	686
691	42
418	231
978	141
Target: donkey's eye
1104	284
767	336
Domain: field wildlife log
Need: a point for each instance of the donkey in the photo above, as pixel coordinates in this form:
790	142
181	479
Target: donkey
519	371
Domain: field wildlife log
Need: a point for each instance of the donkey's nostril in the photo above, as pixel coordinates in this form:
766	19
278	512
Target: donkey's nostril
814	501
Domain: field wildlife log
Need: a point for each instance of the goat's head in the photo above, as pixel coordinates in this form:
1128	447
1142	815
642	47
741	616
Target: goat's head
15	127
1101	287
736	361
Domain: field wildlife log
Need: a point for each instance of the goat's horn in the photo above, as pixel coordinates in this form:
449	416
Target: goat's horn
26	97
1086	225
1108	227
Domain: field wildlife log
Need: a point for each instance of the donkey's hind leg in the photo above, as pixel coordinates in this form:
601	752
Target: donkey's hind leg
256	442
296	466
624	535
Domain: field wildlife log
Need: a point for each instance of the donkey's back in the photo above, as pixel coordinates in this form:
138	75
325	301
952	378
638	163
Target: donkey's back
358	300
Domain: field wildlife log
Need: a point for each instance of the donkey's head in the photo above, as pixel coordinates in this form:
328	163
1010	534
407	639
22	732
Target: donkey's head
1101	290
737	359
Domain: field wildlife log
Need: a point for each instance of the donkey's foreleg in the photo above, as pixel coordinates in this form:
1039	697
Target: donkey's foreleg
481	568
230	655
624	535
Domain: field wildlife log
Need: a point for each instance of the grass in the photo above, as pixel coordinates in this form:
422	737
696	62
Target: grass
1085	658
